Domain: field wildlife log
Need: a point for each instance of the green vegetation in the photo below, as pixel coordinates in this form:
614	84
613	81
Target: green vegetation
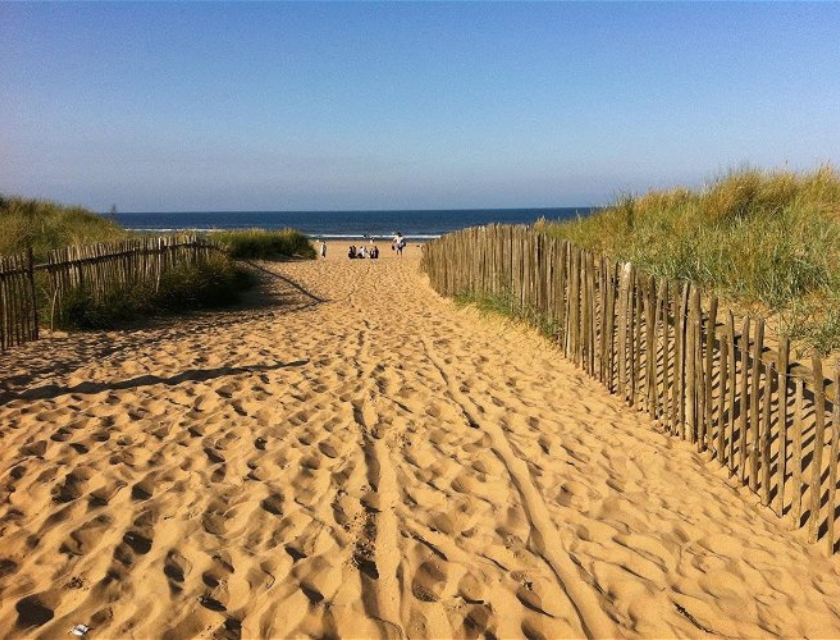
265	245
503	305
45	225
766	240
212	284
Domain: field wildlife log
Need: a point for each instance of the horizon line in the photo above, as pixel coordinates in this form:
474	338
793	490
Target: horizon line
119	213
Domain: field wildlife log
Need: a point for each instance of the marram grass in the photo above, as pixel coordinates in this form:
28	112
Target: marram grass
765	240
265	244
45	226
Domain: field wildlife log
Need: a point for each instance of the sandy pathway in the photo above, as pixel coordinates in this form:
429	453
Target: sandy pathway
367	460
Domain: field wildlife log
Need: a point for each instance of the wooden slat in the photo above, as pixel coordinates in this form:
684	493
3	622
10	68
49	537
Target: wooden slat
796	454
766	422
733	382
755	416
723	396
693	325
743	423
833	461
681	350
819	438
782	373
708	416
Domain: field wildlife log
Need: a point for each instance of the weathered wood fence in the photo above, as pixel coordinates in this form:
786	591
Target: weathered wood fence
98	270
18	308
662	347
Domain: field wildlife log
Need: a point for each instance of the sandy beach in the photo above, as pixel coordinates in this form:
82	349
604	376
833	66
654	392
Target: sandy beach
352	455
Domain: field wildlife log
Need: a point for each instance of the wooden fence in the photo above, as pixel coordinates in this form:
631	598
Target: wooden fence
18	308
97	270
705	376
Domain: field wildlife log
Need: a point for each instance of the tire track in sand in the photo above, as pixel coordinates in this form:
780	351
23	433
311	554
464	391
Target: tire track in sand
381	571
583	595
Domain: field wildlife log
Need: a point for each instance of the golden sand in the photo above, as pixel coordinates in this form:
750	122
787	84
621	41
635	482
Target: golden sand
356	456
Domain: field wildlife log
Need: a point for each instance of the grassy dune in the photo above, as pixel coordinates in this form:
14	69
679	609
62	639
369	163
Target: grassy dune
264	244
45	225
769	241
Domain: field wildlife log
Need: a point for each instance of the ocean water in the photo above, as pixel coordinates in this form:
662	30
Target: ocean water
415	225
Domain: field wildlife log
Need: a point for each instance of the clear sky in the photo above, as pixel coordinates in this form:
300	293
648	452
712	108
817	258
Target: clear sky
240	106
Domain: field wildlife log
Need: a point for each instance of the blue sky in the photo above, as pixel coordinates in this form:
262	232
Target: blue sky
270	106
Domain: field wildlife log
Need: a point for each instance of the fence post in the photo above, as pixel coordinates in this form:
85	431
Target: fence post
611	293
755	417
723	369
832	460
667	405
796	457
819	439
636	374
743	423
691	365
782	374
711	324
733	383
767	418
33	296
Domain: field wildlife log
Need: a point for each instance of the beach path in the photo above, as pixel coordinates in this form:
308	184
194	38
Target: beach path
355	456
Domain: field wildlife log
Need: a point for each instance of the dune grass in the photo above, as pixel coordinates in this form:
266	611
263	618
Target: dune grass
488	304
265	244
45	225
769	241
213	284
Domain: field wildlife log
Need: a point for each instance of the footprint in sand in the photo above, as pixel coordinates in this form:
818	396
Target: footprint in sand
273	504
84	539
176	568
73	486
429	580
36	610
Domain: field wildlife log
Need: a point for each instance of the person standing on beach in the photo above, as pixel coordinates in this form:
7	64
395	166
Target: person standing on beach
398	243
323	249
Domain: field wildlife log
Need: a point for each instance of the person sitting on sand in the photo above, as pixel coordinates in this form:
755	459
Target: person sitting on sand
362	252
351	252
374	253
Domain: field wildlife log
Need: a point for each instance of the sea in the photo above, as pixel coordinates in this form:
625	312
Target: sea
416	226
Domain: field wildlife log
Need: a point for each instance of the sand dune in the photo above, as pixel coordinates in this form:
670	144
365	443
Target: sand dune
358	457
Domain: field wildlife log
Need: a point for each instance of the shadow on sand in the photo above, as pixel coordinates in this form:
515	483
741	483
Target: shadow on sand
50	391
54	356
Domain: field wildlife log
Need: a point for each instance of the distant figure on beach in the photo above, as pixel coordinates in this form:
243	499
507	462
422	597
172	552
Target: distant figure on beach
323	249
398	243
351	252
362	252
374	253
